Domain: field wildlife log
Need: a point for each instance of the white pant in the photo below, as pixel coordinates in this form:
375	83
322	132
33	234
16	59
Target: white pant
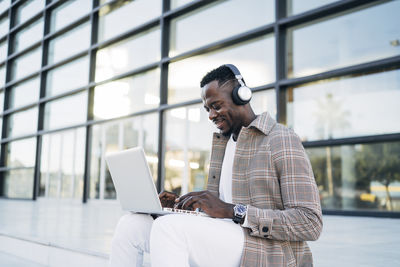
176	240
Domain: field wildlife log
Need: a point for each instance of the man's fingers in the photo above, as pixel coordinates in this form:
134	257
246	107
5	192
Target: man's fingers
166	194
191	194
188	202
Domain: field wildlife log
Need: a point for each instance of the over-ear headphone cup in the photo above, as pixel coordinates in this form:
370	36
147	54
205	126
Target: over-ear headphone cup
236	98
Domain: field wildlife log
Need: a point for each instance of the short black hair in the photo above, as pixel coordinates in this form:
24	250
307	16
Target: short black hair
220	74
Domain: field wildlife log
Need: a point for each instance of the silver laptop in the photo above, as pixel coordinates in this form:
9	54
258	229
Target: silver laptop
134	184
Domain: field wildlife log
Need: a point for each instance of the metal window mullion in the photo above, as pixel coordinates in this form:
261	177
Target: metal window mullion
165	38
94	22
42	93
7	65
280	61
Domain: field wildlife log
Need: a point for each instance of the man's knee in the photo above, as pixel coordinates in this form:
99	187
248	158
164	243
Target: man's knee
166	227
133	228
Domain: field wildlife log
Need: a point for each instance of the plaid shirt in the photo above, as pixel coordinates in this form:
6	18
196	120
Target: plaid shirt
272	175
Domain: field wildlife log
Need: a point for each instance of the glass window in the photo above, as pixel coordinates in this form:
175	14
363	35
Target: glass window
26	64
25	93
21	153
62	164
124	15
125	96
28	35
77	40
23	122
346	106
263	101
118	135
178	3
28	10
1	102
19	183
227	15
65	112
344	40
69	12
187	149
4	26
358	177
2	75
3	51
255	59
4	4
299	6
59	80
128	54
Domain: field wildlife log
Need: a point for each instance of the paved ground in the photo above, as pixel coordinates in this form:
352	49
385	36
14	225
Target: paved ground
358	241
345	241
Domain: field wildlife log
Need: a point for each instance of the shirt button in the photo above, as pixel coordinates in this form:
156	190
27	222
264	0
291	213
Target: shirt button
218	136
265	229
214	176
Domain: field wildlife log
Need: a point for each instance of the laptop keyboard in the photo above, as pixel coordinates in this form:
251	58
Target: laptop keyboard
190	212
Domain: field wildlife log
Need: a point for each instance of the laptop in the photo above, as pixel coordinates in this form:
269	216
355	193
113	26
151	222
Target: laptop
134	184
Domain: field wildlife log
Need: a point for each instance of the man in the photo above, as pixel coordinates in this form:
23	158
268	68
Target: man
261	193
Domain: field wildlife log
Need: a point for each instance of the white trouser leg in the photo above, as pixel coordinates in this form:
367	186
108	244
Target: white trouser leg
131	239
186	240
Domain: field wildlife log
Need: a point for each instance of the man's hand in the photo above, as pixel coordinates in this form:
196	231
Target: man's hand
207	202
167	199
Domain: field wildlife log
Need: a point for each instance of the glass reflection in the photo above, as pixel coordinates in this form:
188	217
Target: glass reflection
26	64
2	76
28	36
62	164
128	54
118	135
59	80
122	15
264	101
23	122
21	153
178	3
25	93
18	183
299	6
255	60
346	106
69	12
77	40
4	4
3	51
226	15
28	10
125	96
187	149
364	176
1	101
344	40
65	112
4	26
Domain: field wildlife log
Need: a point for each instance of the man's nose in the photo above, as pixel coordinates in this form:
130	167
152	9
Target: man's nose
212	114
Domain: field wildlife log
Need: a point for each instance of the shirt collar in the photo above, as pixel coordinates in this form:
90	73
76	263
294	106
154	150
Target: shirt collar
263	122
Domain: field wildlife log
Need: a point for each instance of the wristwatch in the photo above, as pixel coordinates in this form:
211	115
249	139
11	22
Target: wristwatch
239	212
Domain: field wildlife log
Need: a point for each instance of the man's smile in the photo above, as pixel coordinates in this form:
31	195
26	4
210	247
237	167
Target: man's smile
219	123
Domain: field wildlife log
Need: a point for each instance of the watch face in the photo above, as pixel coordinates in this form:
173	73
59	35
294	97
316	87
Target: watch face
240	210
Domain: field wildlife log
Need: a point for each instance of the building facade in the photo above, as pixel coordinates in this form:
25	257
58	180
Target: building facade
79	79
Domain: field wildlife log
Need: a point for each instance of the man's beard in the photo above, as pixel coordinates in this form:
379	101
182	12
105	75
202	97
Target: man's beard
228	133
